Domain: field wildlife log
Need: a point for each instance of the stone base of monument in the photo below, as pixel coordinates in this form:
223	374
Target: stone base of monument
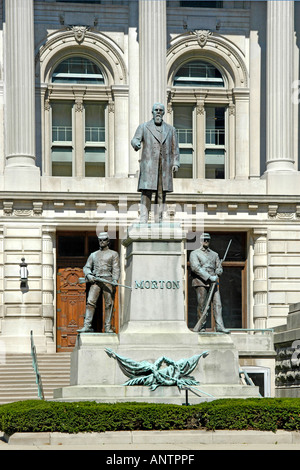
140	394
97	377
153	326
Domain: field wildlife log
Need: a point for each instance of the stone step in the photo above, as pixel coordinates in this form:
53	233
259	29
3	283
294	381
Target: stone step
18	379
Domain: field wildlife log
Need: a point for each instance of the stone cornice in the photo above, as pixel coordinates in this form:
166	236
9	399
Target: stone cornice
172	197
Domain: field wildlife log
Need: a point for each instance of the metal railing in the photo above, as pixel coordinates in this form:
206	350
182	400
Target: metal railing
94	134
36	369
61	133
185	136
215	136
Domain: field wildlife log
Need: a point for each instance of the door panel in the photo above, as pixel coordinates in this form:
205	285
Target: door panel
73	249
71	300
71	303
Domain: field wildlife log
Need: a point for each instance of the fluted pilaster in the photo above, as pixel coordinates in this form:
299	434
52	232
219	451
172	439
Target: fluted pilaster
152	36
260	282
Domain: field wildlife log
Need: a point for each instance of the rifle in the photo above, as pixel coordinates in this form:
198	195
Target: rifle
209	296
101	279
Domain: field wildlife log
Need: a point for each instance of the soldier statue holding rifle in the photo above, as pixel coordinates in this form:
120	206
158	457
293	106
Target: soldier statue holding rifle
102	271
206	268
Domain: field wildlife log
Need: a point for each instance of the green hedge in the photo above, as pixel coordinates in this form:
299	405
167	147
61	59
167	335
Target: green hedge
260	414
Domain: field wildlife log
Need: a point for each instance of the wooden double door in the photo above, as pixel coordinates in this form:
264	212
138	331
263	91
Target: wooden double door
73	250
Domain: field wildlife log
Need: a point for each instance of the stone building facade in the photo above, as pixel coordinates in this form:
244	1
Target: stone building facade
77	78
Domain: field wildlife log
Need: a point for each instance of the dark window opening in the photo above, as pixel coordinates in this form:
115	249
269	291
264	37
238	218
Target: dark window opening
197	4
232	283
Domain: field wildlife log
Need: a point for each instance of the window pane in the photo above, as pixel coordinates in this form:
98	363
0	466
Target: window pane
198	73
95	162
215	126
215	163
61	161
78	70
186	164
183	123
61	122
95	123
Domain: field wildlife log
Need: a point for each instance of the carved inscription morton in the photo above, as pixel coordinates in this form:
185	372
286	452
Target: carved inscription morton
147	284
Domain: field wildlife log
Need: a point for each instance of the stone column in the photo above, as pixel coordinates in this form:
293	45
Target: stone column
260	282
153	47
280	51
134	79
20	168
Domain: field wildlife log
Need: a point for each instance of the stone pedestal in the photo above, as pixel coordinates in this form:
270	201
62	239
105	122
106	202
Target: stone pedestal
154	308
154	325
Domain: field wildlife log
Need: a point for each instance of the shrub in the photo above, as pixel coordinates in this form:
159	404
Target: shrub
253	413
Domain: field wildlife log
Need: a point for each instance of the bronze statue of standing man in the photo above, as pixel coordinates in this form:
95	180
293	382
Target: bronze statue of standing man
104	264
206	268
160	159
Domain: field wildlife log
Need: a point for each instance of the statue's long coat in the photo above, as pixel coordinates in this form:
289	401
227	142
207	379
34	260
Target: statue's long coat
203	264
153	143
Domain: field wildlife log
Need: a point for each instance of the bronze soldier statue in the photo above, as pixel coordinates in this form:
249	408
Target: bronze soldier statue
160	158
206	268
103	264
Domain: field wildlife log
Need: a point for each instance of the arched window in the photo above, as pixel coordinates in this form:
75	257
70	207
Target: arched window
78	119
78	70
198	73
200	120
83	100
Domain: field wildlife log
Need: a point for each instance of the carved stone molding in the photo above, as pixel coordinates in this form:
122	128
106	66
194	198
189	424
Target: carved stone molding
78	105
214	45
231	109
111	107
37	208
272	210
47	104
202	36
23	212
79	33
8	207
200	109
100	46
275	213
